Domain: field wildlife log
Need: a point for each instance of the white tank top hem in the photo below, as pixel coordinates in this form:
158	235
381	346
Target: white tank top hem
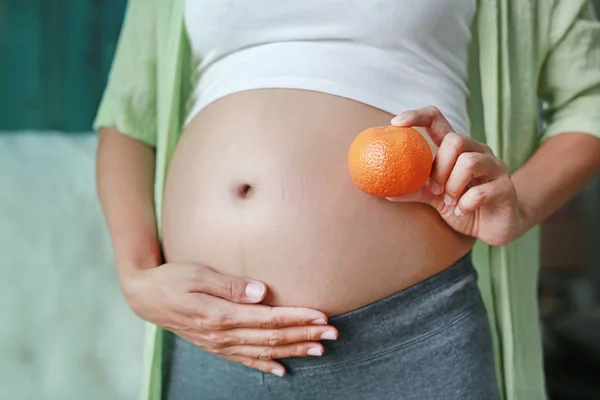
412	74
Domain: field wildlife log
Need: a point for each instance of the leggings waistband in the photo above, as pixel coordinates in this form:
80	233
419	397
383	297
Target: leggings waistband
401	319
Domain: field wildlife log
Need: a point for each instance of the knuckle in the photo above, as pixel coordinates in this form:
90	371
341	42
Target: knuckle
309	335
300	350
218	339
268	324
210	324
250	363
487	148
434	111
217	321
216	350
271	323
224	321
265	354
479	193
232	288
454	141
275	338
241	340
198	323
468	161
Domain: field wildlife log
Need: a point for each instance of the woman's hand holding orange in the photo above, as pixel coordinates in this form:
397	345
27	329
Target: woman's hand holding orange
469	186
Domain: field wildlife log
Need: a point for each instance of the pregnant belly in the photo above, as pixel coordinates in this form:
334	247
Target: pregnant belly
259	187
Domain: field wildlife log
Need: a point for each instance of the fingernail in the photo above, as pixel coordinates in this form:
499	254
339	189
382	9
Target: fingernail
314	351
278	372
319	321
435	188
254	290
400	119
449	201
458	212
396	199
329	335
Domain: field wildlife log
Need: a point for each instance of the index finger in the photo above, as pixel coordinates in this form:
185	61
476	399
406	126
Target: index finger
430	118
450	150
267	317
214	313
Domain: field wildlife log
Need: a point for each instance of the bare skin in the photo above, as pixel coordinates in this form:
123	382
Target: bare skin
474	192
219	312
265	194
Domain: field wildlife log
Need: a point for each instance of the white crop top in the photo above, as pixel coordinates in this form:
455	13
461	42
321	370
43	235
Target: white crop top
394	55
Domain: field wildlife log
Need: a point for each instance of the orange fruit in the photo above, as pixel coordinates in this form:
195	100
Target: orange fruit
390	161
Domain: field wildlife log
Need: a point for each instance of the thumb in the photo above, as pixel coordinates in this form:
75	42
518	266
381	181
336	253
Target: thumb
232	288
422	195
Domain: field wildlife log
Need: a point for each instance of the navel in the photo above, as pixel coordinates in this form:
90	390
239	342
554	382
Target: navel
244	191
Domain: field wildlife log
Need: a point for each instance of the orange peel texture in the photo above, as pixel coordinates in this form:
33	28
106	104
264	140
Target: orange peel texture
389	161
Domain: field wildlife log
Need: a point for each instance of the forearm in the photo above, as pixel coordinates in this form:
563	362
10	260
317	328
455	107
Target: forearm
125	181
557	171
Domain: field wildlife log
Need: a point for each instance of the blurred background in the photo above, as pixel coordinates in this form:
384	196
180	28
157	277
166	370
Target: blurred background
65	331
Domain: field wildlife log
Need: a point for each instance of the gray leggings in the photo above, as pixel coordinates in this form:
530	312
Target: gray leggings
428	342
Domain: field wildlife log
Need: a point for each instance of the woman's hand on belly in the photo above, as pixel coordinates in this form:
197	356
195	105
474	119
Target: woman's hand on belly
217	313
469	187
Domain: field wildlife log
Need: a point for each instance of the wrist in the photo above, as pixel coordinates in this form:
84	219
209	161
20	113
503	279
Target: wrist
132	273
525	218
129	263
526	214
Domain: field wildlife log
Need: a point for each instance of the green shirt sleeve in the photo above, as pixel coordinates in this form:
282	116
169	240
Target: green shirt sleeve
129	100
570	76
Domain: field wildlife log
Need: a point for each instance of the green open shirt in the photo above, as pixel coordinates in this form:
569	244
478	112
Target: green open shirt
522	51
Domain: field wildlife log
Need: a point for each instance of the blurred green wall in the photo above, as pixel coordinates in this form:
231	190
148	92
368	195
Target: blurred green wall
54	59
